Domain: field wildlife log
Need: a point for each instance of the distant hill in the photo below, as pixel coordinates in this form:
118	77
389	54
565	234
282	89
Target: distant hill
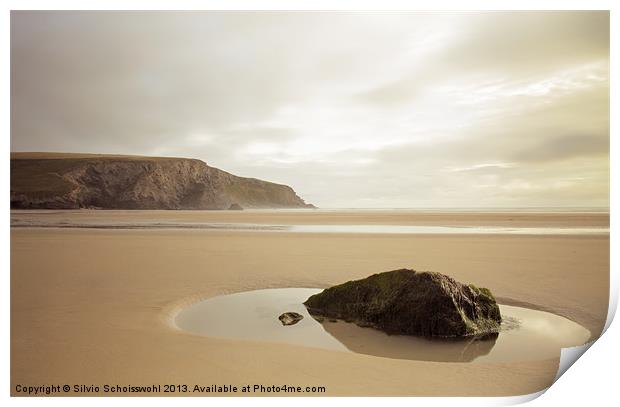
71	181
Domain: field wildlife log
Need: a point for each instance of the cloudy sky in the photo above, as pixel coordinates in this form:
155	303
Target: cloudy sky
350	109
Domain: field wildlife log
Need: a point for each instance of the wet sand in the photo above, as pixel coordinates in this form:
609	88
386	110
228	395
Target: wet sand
327	217
96	306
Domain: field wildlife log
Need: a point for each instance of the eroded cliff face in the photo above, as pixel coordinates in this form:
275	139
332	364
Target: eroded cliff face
71	181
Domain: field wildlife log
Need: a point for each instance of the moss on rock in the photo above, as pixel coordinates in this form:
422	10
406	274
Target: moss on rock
412	303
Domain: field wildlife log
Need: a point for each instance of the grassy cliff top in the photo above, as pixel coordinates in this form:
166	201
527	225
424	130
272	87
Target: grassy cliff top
35	155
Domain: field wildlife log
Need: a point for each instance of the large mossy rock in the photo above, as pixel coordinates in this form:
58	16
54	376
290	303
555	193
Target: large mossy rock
411	303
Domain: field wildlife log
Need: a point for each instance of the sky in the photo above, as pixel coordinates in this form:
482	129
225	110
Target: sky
352	110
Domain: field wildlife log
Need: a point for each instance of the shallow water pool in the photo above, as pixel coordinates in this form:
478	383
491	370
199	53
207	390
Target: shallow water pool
526	334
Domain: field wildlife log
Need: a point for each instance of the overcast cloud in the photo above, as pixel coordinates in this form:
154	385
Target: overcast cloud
350	109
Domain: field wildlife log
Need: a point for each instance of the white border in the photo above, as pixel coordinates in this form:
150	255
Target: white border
386	5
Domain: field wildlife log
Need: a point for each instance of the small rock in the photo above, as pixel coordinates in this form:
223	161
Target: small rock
235	207
290	318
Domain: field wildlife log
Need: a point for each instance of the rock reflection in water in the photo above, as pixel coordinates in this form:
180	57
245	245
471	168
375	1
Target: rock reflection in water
371	341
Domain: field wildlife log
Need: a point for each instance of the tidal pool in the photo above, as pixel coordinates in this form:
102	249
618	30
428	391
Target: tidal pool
526	334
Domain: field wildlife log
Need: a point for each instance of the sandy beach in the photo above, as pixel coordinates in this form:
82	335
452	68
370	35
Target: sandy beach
97	307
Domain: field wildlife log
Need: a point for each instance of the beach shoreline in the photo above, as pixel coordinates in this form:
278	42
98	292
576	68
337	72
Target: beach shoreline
323	217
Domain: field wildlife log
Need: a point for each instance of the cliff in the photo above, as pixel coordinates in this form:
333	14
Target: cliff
71	181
